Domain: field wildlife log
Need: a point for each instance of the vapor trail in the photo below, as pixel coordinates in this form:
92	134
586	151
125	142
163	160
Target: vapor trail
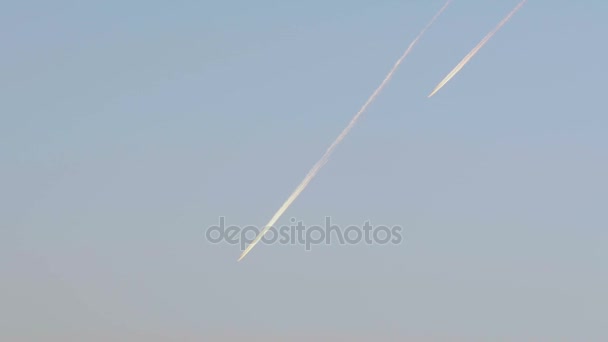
339	139
475	49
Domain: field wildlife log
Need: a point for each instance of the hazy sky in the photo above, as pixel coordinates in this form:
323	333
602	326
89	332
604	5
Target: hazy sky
128	128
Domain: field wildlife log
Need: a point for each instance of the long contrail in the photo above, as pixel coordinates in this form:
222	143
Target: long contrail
339	139
475	49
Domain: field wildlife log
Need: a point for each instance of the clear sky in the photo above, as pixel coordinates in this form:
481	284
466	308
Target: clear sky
128	128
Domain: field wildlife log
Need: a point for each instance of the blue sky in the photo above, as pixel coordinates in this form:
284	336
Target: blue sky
127	129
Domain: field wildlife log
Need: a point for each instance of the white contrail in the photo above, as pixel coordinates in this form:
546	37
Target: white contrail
472	53
339	139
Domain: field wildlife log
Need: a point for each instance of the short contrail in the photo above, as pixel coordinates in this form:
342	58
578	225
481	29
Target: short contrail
475	49
339	139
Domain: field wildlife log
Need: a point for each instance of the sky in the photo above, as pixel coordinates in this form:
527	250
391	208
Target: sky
127	129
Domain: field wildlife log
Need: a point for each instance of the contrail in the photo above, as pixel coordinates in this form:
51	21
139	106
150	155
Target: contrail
475	49
339	139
